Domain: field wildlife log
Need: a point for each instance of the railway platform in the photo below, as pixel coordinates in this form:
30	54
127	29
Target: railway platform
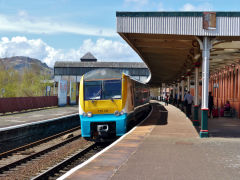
36	115
171	150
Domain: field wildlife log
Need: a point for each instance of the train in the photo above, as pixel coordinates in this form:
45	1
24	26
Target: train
109	101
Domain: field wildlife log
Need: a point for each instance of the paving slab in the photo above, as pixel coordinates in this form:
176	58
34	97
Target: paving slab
36	115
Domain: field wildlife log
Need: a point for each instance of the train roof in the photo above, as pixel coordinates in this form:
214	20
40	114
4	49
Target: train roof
102	74
98	74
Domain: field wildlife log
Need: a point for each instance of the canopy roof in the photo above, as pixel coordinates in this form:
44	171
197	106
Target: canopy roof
168	42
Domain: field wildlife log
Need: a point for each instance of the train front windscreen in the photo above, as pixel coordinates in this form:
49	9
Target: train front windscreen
102	90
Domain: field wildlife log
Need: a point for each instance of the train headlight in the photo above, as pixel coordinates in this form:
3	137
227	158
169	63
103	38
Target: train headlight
117	113
121	112
89	114
84	114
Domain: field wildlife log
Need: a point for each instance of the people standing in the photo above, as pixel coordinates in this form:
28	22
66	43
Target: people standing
189	100
210	104
166	100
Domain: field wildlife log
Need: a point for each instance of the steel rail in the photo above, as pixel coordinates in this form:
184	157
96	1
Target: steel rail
28	158
7	153
50	172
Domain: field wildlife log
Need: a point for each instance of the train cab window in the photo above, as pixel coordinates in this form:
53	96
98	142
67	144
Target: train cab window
92	90
112	89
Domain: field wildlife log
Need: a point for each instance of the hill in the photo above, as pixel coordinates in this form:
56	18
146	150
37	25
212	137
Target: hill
20	63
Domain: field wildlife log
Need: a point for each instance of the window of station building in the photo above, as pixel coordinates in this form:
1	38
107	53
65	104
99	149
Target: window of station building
134	72
58	71
75	71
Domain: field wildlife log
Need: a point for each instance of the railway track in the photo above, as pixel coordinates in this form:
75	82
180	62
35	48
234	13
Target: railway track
78	158
14	161
51	161
36	143
72	161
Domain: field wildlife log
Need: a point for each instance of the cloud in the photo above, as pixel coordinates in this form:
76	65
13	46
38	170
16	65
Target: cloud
160	7
23	23
136	5
142	2
108	50
102	49
201	7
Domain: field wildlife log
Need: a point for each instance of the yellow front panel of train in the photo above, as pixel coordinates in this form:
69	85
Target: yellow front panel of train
103	106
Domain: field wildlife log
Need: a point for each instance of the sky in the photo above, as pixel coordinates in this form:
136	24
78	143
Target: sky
64	30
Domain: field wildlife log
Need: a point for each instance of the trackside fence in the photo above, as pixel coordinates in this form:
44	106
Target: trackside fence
26	103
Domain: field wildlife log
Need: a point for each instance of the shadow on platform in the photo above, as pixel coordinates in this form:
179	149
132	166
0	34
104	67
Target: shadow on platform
224	127
159	115
221	127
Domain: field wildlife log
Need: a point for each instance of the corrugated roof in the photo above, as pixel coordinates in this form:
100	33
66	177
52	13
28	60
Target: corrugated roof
175	14
100	64
165	40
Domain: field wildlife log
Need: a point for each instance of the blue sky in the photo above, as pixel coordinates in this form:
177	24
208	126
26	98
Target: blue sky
52	30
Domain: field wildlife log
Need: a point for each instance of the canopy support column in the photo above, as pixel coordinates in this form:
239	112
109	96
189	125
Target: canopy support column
178	94
182	92
196	103
174	92
205	81
188	82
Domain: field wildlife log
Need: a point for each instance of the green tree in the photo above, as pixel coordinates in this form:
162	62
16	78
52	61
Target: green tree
25	84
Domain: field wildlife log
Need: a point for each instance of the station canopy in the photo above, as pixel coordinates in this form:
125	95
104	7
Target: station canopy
168	42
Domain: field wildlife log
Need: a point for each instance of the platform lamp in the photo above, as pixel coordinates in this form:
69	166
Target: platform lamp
215	85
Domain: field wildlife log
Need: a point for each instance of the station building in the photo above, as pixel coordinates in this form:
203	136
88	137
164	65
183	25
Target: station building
75	69
72	71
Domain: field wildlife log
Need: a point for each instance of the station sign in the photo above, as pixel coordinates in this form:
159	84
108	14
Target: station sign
209	20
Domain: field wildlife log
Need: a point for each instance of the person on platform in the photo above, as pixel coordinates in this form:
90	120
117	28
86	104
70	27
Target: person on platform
179	100
189	100
166	100
227	106
175	99
210	103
